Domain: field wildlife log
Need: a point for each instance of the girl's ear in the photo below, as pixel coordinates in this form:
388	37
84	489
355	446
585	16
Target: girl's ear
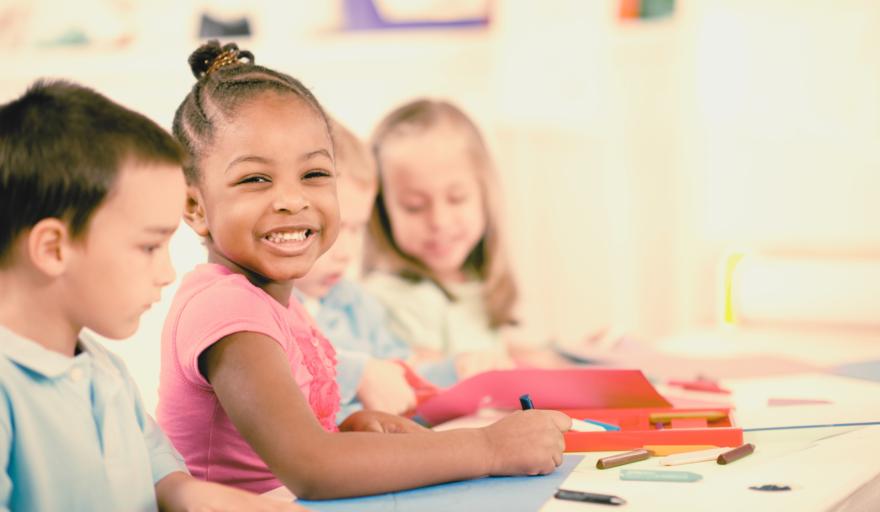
194	212
48	246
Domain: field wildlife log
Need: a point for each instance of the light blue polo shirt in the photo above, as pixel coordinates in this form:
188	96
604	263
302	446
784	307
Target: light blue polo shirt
74	434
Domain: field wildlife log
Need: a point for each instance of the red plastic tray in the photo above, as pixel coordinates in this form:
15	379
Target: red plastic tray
637	431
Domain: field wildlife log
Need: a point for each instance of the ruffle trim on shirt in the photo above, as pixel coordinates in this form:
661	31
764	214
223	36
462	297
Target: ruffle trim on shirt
320	360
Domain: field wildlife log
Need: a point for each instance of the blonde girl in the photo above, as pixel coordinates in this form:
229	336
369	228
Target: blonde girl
437	249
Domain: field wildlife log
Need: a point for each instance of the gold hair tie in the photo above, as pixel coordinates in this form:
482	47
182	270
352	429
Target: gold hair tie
226	58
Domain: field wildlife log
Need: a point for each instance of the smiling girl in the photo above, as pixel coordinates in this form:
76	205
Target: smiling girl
247	391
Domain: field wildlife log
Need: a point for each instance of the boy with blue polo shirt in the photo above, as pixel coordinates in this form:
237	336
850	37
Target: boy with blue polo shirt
90	194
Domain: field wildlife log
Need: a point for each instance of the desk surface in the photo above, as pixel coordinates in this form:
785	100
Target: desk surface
828	468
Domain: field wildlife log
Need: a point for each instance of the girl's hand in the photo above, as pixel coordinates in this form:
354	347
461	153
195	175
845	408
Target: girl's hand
384	388
375	421
422	355
527	442
179	491
472	363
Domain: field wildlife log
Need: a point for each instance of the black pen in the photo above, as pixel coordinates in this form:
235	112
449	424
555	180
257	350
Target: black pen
589	497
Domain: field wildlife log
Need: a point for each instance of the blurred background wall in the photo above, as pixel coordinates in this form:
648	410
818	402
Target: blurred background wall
637	153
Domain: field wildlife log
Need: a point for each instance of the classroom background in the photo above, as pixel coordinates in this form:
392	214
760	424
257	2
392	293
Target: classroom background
702	177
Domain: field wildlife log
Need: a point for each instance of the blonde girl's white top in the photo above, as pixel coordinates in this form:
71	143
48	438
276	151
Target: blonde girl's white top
421	314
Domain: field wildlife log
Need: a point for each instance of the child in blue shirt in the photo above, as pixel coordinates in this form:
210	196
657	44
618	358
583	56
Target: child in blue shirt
369	356
90	194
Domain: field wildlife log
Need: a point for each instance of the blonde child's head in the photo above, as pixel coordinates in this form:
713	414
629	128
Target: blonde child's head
90	193
357	190
437	213
262	174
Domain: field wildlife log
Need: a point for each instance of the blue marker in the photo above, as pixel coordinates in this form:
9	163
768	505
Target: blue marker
606	426
525	401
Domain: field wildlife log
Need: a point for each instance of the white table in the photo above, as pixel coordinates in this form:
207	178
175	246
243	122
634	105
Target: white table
828	468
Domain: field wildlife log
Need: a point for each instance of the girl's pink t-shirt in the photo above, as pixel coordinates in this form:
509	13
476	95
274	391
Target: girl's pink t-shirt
214	302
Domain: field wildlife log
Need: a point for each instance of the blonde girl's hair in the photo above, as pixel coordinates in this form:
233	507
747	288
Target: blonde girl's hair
488	260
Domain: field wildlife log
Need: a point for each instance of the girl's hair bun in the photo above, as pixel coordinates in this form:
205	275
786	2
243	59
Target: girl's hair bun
210	57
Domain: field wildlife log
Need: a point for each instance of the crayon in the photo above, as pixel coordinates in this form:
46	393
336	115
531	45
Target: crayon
620	459
736	453
649	475
666	417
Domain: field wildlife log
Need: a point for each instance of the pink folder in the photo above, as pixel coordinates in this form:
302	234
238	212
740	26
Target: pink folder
575	388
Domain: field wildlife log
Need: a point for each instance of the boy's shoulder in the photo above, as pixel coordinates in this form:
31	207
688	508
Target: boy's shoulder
348	294
345	291
7	364
18	353
25	363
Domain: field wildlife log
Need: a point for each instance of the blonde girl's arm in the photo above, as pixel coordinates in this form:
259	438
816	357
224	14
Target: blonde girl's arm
253	381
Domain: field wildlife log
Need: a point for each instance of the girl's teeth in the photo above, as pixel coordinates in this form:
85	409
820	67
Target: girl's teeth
278	238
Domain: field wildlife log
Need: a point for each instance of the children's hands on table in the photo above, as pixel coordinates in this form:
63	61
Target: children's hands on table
527	442
377	421
384	388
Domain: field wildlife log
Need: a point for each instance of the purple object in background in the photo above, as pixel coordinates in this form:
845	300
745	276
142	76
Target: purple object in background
363	15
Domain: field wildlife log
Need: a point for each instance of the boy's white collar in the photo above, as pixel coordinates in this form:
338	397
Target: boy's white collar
38	359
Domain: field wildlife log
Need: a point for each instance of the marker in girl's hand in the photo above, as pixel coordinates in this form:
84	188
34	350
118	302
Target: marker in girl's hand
605	426
590	426
525	401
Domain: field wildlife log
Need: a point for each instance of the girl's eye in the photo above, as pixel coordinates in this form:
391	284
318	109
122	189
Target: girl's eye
317	173
457	199
255	179
150	249
413	208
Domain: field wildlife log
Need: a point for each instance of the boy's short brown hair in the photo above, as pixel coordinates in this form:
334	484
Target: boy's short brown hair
61	148
360	165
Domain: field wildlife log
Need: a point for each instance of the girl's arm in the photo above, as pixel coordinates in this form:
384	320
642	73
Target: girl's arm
253	381
179	491
383	387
